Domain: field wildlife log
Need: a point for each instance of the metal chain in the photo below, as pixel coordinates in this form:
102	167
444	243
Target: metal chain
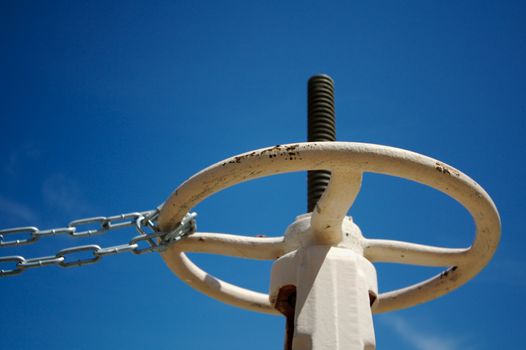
150	239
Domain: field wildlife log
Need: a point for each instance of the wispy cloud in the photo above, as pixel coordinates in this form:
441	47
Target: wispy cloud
421	339
18	156
61	200
64	194
15	212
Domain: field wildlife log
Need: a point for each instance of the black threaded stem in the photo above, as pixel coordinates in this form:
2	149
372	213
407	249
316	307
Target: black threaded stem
321	127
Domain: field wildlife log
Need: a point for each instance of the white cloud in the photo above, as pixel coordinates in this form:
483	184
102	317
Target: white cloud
421	339
63	193
15	212
17	157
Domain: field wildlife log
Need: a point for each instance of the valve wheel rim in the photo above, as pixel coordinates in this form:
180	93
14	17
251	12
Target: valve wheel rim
347	161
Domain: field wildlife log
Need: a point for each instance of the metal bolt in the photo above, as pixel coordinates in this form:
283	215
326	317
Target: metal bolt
321	122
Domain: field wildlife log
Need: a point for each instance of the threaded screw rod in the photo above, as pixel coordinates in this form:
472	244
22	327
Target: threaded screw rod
321	123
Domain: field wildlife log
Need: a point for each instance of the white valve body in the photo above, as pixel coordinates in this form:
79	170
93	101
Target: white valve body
334	288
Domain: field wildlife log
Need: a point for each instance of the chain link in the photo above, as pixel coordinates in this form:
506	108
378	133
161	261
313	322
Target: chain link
149	239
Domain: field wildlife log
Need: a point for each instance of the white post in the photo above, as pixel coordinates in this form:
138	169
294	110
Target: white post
334	288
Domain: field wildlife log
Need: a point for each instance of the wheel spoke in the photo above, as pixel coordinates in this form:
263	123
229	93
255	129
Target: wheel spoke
380	250
259	248
333	206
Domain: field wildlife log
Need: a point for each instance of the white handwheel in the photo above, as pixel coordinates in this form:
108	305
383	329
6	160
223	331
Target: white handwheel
347	162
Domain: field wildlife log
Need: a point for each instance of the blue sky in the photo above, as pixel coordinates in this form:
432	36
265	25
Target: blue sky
107	106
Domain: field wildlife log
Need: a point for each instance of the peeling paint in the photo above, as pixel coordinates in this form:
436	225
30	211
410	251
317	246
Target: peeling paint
446	170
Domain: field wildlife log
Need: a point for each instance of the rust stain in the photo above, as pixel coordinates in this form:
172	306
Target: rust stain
287	152
286	304
442	168
446	273
238	159
291	147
